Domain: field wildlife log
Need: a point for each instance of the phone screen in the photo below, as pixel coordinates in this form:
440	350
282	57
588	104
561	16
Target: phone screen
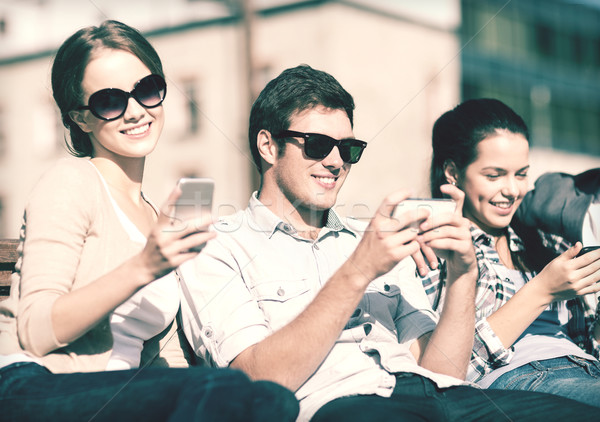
196	197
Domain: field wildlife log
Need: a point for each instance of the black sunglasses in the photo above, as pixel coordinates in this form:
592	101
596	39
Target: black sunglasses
111	103
317	145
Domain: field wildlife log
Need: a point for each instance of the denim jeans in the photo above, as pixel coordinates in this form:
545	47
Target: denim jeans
29	392
568	376
417	398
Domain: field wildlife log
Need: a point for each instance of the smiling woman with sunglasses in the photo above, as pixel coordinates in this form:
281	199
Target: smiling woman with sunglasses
95	281
110	103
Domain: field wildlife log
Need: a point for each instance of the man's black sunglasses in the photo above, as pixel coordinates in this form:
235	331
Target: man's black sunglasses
111	103
317	145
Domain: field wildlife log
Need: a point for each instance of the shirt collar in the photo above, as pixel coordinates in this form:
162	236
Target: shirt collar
482	238
267	222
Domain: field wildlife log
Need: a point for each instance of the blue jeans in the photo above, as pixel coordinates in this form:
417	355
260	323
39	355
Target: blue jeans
417	398
568	376
29	392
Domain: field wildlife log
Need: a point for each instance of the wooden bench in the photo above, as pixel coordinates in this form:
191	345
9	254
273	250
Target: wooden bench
8	259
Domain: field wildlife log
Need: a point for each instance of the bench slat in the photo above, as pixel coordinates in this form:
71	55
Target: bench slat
8	259
8	250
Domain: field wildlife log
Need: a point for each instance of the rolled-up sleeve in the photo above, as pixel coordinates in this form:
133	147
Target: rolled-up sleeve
488	352
220	316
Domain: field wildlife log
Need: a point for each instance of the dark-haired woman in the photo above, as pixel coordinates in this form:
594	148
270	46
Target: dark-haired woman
96	275
536	301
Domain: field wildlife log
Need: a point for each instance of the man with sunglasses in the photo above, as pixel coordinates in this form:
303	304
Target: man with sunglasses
331	309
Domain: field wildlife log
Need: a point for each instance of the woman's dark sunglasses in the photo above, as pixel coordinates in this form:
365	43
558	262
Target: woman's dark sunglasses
111	103
317	145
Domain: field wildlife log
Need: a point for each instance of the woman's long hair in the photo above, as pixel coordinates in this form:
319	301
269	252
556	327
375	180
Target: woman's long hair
455	137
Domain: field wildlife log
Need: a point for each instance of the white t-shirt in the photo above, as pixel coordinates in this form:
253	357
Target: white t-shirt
145	314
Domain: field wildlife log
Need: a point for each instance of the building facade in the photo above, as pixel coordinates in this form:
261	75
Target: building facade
543	59
372	50
405	62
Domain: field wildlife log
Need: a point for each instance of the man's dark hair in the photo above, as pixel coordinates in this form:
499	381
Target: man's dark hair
294	90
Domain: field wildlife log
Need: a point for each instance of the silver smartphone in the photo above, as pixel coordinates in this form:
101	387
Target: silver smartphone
196	198
433	205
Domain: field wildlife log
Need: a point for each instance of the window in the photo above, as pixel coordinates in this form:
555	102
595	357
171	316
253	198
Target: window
2	218
44	135
505	35
548	49
544	41
192	107
62	134
2	134
577	52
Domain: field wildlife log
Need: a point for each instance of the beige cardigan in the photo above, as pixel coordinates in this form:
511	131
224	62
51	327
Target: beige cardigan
70	236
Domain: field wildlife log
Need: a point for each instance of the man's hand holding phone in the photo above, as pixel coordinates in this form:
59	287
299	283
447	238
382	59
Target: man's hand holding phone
444	232
422	208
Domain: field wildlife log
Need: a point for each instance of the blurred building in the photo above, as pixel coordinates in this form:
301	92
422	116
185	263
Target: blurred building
543	59
216	60
401	60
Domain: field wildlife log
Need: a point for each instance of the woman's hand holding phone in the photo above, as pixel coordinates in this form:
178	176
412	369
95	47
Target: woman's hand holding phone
587	249
179	236
569	275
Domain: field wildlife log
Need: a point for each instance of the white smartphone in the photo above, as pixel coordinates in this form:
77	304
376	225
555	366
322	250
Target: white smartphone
417	205
196	198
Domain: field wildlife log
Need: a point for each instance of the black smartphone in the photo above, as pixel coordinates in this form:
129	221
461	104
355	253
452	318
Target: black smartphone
587	249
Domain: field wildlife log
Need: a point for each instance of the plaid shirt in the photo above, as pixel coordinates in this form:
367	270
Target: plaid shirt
494	291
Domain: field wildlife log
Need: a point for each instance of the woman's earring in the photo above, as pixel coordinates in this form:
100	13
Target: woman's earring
452	182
